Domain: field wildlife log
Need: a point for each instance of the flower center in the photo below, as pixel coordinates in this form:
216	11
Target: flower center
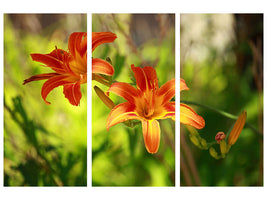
78	65
149	100
148	109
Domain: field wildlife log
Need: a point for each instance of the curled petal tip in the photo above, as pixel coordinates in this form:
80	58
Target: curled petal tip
46	102
183	85
102	67
102	37
190	117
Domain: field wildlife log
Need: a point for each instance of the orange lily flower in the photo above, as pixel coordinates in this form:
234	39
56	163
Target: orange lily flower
100	66
70	68
146	103
187	114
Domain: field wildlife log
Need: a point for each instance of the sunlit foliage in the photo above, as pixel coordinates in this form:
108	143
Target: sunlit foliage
44	145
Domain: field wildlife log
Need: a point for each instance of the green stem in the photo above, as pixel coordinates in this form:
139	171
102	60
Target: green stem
223	113
209	144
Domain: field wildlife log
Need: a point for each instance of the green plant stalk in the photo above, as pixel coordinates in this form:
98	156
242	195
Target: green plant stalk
55	177
223	113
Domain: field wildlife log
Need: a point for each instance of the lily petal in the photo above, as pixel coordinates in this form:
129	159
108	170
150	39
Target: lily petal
40	77
167	90
102	37
52	83
78	43
120	113
146	78
53	60
190	117
125	90
151	134
170	110
73	93
183	85
152	79
102	67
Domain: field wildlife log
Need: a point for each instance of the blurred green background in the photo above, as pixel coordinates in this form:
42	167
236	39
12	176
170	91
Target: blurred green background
222	64
44	145
119	157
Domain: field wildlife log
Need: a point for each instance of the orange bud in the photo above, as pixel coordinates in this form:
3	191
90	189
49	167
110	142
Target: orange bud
106	100
223	147
238	126
219	136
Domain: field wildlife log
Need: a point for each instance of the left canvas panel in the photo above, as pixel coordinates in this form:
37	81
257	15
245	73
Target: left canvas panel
45	102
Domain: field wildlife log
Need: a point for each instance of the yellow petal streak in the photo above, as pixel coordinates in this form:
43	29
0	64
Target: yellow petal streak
121	113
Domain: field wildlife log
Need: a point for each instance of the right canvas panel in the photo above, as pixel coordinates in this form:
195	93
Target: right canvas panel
221	106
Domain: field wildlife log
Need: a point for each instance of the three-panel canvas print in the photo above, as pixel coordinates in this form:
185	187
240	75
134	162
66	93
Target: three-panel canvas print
107	115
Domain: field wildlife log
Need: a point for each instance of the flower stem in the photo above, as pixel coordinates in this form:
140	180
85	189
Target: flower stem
223	113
